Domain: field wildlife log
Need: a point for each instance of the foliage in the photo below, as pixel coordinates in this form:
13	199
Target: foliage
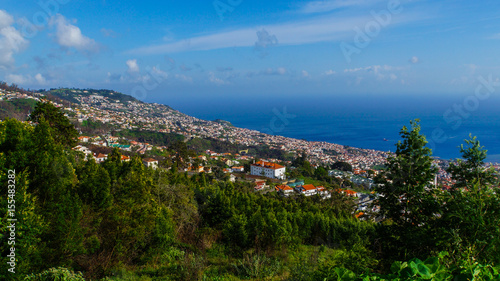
470	171
434	268
121	221
56	274
405	187
16	108
156	138
342	166
64	132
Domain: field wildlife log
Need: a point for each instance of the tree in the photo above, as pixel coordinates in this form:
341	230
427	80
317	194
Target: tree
406	196
64	132
471	170
342	166
405	187
471	216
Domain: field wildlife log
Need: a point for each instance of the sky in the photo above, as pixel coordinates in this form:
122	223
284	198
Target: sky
187	50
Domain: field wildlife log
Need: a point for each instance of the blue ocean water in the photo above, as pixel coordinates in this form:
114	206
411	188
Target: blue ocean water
360	121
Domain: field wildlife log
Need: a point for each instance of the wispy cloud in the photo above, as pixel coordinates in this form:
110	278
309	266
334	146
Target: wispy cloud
315	7
330	72
494	37
379	71
319	29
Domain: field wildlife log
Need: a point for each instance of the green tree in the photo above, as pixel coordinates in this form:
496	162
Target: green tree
471	218
342	166
64	132
407	196
405	188
465	173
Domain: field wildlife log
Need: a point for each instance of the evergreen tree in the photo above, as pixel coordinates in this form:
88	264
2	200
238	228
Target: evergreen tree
407	196
466	173
64	132
405	188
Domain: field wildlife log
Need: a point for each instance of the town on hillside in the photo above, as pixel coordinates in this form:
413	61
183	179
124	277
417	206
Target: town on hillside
119	112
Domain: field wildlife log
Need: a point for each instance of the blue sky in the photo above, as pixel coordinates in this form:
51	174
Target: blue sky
162	50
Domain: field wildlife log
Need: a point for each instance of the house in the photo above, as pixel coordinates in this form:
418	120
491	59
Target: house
284	189
238	169
125	158
150	162
307	189
260	185
268	169
83	149
323	192
99	158
227	170
83	138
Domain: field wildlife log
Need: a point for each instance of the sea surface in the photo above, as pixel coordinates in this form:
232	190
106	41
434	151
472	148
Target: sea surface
364	121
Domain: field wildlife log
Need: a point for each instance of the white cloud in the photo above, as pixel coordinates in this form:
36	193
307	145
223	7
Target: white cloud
23	80
379	71
184	78
414	60
132	65
330	72
318	29
17	79
69	35
6	20
215	80
314	7
40	79
305	73
11	40
158	73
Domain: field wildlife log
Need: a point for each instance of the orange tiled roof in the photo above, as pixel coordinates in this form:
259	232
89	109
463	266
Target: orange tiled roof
268	165
308	187
284	187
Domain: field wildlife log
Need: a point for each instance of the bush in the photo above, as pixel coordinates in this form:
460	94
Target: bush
56	274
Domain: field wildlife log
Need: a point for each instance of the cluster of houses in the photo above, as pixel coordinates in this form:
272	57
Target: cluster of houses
101	157
298	187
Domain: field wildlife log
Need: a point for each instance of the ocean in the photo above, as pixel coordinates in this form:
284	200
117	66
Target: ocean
364	121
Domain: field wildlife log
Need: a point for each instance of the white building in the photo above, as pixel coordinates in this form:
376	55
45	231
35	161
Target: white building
150	162
268	169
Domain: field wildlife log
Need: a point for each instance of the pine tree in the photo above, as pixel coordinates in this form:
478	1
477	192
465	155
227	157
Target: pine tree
405	188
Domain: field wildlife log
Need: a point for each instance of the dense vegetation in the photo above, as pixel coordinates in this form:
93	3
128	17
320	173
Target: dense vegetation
16	108
156	138
121	221
200	145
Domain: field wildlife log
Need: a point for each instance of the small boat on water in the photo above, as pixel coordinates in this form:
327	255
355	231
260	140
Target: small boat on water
386	139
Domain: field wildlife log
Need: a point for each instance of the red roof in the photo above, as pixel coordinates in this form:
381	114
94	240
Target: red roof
149	160
283	187
268	165
308	187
